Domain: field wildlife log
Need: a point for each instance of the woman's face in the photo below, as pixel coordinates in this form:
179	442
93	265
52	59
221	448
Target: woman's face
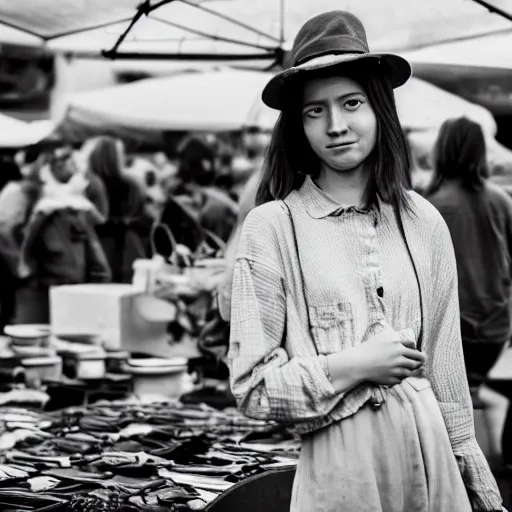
339	122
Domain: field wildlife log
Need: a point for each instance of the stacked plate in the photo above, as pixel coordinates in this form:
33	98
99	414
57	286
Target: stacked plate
30	343
28	335
158	376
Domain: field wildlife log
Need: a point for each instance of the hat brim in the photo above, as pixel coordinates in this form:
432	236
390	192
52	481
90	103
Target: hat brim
397	68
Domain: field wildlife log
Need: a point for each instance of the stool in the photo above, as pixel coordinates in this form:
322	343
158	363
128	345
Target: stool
268	492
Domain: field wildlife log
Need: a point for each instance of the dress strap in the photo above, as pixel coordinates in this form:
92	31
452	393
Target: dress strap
400	223
301	274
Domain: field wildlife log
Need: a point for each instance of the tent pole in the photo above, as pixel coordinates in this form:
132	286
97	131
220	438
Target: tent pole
231	20
282	13
494	9
143	8
211	36
87	29
190	56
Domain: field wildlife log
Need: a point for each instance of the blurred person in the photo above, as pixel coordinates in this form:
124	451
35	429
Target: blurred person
59	245
224	179
344	314
62	164
9	169
17	196
154	194
196	164
95	190
16	202
167	167
479	217
212	207
64	171
137	166
125	234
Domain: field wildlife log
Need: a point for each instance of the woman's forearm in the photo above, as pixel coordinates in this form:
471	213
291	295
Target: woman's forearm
345	369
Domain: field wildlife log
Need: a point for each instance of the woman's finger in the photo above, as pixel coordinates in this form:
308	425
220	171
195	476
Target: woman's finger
401	372
410	364
408	343
416	355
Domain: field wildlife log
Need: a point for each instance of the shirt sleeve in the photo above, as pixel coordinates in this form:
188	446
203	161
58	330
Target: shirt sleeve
246	204
266	382
447	373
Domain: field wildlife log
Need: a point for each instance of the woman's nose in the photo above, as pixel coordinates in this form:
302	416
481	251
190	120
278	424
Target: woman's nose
337	122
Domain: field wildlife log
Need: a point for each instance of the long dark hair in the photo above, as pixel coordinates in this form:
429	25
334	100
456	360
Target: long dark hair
290	157
122	192
460	154
104	159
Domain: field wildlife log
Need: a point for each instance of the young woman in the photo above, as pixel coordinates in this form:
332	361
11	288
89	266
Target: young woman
344	317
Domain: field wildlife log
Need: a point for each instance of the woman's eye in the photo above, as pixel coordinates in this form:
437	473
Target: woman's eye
353	104
314	112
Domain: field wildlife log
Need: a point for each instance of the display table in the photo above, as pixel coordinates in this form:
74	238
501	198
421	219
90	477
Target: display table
130	455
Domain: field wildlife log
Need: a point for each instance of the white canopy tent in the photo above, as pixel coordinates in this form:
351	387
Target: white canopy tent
17	134
213	101
489	51
227	100
216	29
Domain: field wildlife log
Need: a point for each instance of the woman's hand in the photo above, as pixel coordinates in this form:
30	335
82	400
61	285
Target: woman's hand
386	359
383	359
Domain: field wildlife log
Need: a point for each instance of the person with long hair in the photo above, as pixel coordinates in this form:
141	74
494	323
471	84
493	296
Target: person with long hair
479	216
344	314
125	234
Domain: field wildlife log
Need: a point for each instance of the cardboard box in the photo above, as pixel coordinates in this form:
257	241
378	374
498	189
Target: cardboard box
106	310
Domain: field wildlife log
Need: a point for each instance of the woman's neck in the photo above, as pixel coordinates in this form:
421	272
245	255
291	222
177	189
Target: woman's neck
346	188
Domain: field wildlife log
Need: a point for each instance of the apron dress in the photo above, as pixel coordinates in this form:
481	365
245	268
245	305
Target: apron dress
392	458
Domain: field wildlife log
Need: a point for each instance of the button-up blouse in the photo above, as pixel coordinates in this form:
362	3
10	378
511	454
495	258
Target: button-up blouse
357	275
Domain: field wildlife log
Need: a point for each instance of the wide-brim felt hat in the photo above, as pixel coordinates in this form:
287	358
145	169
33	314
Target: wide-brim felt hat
331	39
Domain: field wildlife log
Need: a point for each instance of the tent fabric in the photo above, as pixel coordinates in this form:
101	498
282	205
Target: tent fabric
391	24
226	100
17	134
489	51
423	106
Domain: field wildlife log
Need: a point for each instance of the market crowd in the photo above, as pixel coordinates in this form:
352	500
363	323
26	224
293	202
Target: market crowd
71	215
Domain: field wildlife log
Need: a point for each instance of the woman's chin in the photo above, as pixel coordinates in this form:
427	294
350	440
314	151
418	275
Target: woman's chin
345	167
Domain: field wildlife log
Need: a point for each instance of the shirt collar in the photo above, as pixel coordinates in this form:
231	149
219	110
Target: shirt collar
319	205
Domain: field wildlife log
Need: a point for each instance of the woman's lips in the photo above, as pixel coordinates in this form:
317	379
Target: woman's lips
340	145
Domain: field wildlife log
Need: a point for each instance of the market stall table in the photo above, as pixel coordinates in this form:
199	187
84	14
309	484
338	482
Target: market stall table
131	455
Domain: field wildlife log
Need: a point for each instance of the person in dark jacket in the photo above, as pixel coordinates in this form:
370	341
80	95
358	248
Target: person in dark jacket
125	234
213	209
479	216
59	246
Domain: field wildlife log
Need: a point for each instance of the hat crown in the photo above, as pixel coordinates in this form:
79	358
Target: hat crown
330	32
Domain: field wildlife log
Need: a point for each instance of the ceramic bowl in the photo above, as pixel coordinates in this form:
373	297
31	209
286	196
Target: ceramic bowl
28	334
